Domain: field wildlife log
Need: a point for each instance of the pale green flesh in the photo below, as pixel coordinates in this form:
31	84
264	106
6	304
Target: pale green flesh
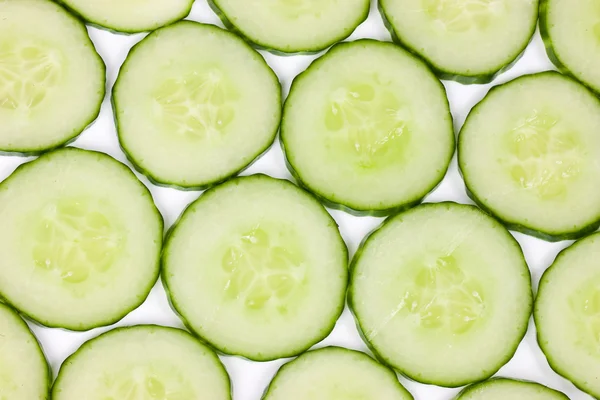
502	389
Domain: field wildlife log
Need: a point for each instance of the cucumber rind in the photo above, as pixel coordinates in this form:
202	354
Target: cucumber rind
143	294
219	349
511	224
346	206
153	178
377	353
445	74
470	388
279	51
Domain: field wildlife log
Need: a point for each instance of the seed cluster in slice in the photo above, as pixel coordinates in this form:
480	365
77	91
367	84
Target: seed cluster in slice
442	293
501	389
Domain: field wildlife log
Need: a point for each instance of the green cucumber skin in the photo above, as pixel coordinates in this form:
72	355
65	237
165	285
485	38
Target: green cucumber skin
378	355
281	52
518	226
477	79
540	336
144	295
347	207
327	349
470	388
192	186
173	302
149	327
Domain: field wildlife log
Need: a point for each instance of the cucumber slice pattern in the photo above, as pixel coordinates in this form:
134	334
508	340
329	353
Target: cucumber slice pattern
80	239
51	77
297	26
260	256
194	104
143	362
335	373
367	128
130	16
442	293
530	150
501	389
470	41
567	314
24	373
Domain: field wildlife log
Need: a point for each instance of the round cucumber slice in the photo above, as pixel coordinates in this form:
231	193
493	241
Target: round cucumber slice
257	268
567	314
334	373
367	128
143	362
194	104
529	150
470	41
130	16
297	26
571	33
24	373
51	77
80	239
442	293
501	389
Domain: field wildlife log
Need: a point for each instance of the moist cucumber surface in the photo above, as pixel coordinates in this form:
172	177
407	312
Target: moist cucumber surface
529	153
470	41
257	268
194	104
297	26
502	389
24	373
80	239
367	128
442	293
130	16
142	363
335	373
567	314
51	77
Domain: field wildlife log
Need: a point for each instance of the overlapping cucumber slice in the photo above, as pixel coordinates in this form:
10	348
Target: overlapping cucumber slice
502	389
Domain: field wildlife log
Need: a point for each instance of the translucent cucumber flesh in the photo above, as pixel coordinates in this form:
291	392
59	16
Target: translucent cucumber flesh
500	389
461	16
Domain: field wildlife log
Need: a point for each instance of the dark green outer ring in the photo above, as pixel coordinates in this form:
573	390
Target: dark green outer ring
380	354
555	393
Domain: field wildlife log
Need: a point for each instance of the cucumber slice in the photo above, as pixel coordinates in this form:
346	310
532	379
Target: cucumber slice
442	293
368	128
335	373
80	239
194	104
501	389
143	362
130	16
571	32
567	314
257	268
297	26
470	41
24	373
51	77
530	150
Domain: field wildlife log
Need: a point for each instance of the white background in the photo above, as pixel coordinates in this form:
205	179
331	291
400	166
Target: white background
250	378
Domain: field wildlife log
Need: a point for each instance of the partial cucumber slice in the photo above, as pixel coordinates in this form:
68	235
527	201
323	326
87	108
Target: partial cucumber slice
297	26
51	78
257	268
567	314
571	32
80	239
470	41
502	389
442	293
367	128
143	362
529	150
195	104
24	373
130	16
334	373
